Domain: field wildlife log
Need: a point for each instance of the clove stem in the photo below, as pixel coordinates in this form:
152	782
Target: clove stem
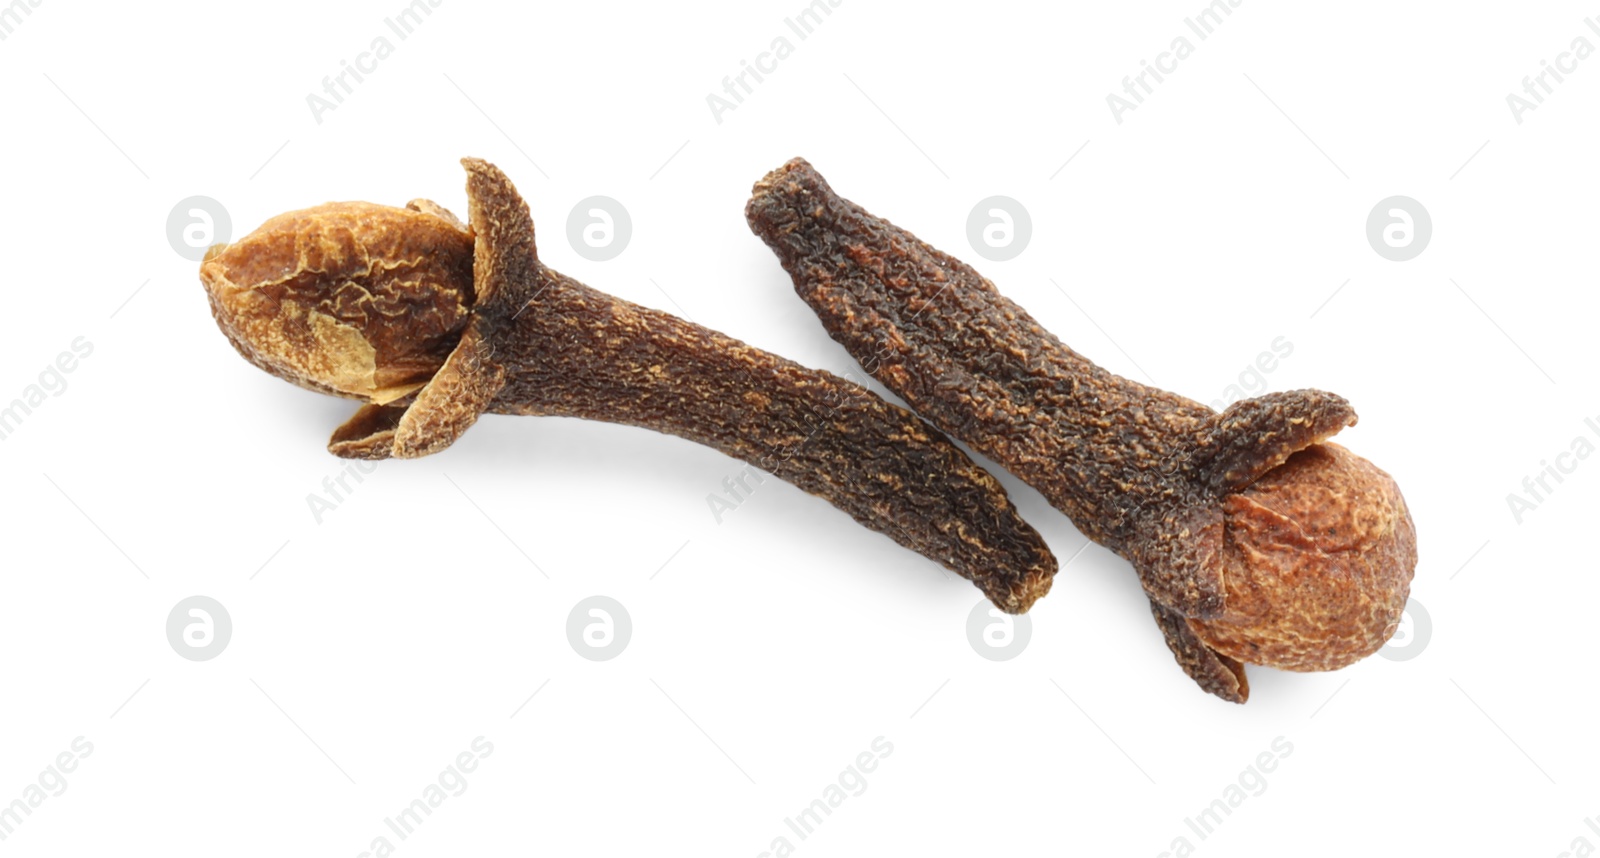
535	342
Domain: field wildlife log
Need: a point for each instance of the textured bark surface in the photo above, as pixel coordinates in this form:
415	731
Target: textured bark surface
573	351
1102	448
1147	473
1214	672
539	343
585	354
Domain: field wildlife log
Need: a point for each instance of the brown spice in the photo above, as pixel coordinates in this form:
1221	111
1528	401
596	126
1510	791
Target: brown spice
432	323
1254	541
352	299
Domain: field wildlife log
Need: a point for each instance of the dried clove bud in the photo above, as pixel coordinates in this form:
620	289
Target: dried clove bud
1254	540
432	323
351	299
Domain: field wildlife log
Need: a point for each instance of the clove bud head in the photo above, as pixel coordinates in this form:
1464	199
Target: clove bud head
351	299
1318	555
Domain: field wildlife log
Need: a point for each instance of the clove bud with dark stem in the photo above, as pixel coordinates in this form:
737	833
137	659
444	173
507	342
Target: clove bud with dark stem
431	323
1255	541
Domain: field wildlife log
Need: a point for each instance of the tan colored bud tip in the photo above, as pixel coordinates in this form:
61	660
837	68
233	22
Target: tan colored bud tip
1319	554
353	299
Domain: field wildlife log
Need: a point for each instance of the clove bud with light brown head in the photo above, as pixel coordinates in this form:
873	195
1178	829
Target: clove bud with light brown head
1255	540
431	323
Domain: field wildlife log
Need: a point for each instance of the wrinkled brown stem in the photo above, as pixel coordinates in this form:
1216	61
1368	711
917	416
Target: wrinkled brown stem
582	353
973	362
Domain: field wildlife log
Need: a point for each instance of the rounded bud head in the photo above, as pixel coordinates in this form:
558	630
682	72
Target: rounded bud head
1319	557
352	299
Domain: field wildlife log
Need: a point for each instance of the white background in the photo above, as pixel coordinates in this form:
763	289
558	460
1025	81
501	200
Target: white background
368	650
